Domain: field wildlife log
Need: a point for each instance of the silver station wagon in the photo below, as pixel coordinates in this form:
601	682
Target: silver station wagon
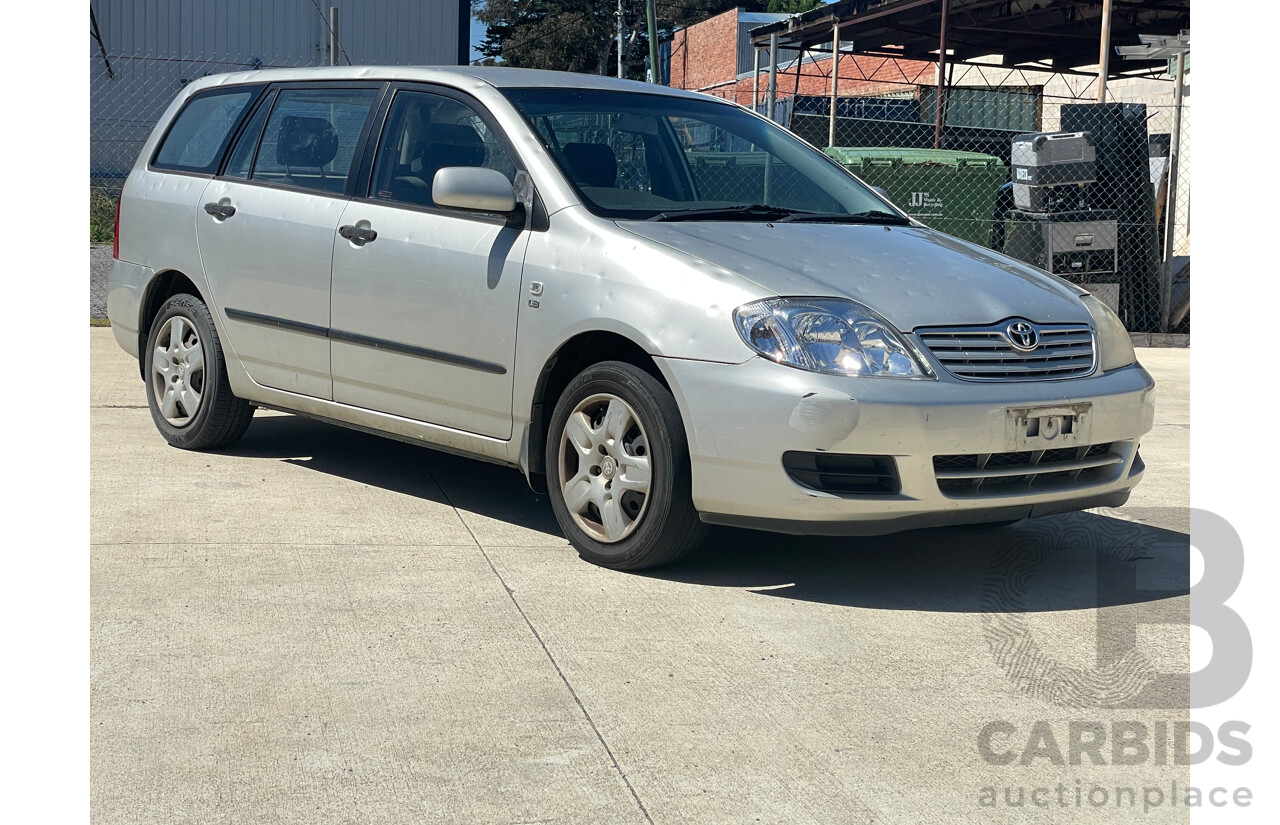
666	311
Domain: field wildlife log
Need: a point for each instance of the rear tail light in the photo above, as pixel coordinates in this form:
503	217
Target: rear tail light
115	232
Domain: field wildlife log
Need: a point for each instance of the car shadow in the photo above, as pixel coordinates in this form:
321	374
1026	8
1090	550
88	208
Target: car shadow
1067	562
487	489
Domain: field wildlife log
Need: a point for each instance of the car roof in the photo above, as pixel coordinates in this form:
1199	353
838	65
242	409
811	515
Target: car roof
500	77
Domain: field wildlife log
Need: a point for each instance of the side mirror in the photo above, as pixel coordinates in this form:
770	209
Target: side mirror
473	188
879	190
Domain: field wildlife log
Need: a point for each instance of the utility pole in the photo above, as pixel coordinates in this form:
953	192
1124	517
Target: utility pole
619	39
772	105
1160	47
1104	52
940	106
835	81
755	80
651	18
333	35
1171	210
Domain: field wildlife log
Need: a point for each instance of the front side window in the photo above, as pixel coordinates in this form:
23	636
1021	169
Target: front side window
644	156
424	134
310	138
196	139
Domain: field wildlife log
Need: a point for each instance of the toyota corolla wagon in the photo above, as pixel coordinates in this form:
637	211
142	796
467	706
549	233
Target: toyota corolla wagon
666	311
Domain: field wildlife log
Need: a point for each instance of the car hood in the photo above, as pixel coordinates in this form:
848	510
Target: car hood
913	276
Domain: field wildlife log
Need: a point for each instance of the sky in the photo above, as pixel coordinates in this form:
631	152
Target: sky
477	34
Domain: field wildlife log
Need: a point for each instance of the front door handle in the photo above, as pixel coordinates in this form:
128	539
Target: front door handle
357	235
221	211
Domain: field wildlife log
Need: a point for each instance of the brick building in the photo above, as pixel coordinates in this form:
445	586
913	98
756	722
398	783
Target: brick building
716	57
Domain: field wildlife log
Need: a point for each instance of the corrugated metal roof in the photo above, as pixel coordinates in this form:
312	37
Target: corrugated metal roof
285	32
1063	32
746	51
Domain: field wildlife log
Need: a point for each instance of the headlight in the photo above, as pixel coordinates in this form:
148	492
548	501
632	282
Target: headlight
1115	348
827	335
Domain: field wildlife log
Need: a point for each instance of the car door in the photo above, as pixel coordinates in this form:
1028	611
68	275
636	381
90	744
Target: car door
267	226
424	299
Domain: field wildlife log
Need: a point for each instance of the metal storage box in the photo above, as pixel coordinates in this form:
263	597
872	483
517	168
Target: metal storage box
1045	200
1075	245
1050	170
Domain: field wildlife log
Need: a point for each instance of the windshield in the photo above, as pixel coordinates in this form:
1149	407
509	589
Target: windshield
657	157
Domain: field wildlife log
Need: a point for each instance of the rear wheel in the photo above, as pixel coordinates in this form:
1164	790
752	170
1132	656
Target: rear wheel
187	389
618	470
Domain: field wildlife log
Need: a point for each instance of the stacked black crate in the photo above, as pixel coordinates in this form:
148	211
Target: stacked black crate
1054	223
1123	184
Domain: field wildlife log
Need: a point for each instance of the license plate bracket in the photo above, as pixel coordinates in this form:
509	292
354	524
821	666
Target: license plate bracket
1048	427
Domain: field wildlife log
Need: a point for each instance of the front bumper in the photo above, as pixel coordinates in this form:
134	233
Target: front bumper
741	418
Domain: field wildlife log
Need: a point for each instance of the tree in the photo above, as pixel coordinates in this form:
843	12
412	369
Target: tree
581	35
570	35
792	6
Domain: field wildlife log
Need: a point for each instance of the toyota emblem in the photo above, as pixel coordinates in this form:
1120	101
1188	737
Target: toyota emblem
1023	335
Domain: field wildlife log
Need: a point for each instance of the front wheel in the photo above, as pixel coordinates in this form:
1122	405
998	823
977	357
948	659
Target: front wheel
187	389
618	470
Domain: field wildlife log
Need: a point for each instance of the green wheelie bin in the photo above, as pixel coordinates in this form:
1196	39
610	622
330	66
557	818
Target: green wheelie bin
951	191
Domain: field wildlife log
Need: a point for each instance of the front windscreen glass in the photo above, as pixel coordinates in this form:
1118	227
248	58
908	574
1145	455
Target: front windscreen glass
658	157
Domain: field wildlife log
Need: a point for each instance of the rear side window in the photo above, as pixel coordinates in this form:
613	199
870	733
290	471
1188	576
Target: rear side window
199	134
240	164
311	136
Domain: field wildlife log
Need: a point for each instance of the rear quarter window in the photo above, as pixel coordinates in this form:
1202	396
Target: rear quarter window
199	134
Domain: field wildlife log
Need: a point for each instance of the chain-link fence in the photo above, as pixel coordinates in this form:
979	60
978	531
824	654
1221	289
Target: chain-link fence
140	57
1101	205
1040	172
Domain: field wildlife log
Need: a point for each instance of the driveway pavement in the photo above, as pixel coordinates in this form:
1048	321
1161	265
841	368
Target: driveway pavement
322	626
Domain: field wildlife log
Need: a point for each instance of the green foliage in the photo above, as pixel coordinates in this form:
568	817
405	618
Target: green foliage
792	6
102	216
581	35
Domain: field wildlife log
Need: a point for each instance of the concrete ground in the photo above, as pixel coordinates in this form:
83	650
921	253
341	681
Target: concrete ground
323	626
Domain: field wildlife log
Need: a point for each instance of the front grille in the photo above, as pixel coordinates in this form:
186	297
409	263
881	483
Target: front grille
842	474
985	353
998	474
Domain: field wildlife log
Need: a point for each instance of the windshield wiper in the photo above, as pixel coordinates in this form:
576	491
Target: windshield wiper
732	213
876	216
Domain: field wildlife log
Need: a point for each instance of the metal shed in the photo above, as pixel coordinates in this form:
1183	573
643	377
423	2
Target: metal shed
143	51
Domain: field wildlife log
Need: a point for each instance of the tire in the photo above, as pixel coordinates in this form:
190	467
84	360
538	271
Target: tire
611	422
187	389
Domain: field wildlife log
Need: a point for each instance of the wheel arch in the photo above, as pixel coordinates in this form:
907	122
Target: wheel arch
572	357
161	288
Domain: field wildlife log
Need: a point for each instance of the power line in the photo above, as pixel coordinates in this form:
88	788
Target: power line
93	21
542	35
534	38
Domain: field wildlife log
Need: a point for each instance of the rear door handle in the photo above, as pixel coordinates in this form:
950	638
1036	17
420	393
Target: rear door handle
221	211
357	235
